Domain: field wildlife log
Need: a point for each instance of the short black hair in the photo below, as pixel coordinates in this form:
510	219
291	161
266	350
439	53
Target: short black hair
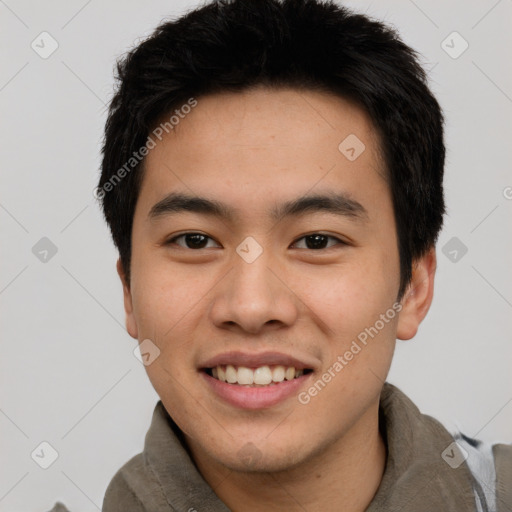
234	45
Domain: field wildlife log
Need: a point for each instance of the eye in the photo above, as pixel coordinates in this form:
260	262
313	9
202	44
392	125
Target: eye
191	240
314	241
317	241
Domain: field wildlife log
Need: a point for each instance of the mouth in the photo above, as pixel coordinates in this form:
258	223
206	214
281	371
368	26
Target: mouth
257	380
261	376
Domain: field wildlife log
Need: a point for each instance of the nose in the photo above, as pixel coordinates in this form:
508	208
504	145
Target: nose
253	297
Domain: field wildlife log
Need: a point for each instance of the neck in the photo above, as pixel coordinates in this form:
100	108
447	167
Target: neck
343	476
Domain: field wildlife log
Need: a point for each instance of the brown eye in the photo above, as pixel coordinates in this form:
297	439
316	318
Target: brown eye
191	240
317	241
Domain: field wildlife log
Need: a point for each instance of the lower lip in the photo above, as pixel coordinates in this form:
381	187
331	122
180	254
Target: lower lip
260	397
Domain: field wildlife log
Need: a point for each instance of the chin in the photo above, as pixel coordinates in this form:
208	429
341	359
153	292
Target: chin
265	457
257	462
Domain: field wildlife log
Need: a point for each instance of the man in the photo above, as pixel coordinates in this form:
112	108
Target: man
272	177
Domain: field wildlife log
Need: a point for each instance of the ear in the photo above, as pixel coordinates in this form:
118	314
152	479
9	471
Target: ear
418	296
131	325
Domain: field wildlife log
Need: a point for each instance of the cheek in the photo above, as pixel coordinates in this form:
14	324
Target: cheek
163	294
168	306
164	308
351	294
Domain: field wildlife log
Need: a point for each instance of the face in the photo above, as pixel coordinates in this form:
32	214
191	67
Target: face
264	251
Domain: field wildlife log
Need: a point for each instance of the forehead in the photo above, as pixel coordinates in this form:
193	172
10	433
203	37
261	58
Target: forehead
282	117
264	143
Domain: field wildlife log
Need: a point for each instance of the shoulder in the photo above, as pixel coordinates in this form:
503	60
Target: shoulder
503	463
120	495
491	469
59	507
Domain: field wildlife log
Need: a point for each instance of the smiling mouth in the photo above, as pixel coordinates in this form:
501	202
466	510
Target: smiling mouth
255	377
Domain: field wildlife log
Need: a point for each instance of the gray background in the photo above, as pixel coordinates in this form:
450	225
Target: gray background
67	369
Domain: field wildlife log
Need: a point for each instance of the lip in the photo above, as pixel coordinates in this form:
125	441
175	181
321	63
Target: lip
255	360
252	398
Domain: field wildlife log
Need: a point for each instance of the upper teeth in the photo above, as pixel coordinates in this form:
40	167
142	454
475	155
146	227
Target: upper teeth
262	376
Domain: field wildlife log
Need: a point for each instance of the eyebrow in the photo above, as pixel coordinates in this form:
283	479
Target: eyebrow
336	203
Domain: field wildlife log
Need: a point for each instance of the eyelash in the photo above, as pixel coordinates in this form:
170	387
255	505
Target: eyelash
340	242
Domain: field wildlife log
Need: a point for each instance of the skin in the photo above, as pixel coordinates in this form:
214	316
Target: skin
253	150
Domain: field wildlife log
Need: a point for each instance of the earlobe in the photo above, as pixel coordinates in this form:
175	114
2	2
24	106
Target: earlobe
418	296
131	325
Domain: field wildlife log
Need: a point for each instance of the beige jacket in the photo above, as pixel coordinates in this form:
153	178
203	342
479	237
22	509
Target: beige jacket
427	469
